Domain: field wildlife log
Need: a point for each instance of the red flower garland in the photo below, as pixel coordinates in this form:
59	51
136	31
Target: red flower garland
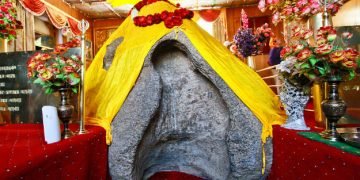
170	19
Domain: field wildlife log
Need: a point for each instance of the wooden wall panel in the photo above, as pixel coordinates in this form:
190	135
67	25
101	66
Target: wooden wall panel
102	29
256	17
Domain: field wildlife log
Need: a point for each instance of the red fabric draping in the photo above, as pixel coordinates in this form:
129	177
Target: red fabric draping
296	157
172	175
209	15
74	26
25	155
35	7
58	19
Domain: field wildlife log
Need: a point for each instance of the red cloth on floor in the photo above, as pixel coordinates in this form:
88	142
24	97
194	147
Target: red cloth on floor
296	157
172	175
24	154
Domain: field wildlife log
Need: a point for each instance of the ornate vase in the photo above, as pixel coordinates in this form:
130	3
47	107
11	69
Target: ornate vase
65	111
334	108
294	100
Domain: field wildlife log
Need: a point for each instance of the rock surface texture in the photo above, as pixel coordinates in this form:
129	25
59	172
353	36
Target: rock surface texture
181	116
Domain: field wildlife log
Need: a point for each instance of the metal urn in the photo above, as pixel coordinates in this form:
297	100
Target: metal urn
334	108
65	111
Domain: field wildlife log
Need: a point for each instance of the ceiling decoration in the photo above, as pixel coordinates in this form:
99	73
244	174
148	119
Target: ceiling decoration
99	9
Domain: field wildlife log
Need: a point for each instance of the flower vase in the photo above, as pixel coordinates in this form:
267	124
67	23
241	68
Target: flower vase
294	100
65	111
250	62
334	108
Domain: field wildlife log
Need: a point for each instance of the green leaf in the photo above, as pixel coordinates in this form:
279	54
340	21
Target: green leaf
74	80
58	84
322	70
74	89
313	61
305	66
38	81
311	75
48	91
351	74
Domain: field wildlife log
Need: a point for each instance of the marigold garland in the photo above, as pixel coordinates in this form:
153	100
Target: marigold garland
170	19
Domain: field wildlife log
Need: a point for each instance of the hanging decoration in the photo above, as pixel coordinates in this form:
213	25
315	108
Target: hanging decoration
59	20
74	26
209	15
35	7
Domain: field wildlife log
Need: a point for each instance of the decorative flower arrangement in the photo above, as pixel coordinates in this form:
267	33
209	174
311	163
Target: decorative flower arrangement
170	19
8	22
303	62
298	9
248	42
53	71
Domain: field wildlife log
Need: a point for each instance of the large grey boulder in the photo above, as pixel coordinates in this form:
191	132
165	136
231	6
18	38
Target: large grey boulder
181	116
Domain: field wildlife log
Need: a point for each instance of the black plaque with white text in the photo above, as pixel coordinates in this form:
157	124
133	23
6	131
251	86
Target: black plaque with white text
18	96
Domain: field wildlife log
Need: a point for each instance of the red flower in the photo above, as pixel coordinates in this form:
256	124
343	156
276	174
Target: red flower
177	20
285	51
323	49
351	54
349	64
157	18
68	69
164	15
149	20
169	23
304	55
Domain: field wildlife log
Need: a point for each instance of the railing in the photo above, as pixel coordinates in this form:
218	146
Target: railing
274	77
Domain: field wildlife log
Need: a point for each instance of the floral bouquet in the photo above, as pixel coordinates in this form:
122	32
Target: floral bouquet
53	70
298	9
248	42
8	22
326	58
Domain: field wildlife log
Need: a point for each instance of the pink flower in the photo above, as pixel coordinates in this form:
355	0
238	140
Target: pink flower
287	10
261	5
276	18
347	35
305	11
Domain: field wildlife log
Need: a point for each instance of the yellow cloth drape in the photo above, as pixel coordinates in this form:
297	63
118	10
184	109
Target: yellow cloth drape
106	91
57	18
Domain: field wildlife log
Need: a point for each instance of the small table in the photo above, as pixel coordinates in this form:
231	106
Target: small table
25	154
296	157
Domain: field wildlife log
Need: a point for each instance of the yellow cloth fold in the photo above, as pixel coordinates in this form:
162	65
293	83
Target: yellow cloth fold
106	91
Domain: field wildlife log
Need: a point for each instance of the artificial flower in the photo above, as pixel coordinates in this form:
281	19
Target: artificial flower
170	19
8	22
52	71
321	61
337	56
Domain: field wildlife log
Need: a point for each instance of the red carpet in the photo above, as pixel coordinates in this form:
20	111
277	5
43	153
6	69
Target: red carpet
173	176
